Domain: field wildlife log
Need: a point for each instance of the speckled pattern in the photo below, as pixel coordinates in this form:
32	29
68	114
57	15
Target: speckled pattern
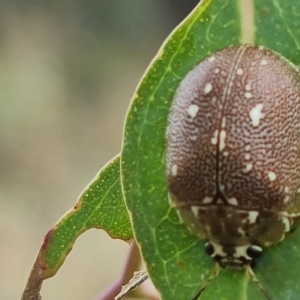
233	137
255	163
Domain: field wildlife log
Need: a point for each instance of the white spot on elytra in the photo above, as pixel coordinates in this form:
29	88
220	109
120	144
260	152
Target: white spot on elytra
195	210
214	138
217	70
256	114
239	71
223	122
286	199
248	168
193	137
286	189
192	110
298	191
248	87
174	170
248	95
207	200
247	147
232	201
222	140
225	153
211	59
207	88
272	176
247	156
213	99
263	62
252	215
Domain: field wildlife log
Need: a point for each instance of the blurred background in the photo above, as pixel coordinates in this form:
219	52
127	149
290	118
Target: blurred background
67	72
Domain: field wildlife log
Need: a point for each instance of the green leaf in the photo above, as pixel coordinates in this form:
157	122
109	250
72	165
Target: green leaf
100	205
232	285
175	259
278	270
278	27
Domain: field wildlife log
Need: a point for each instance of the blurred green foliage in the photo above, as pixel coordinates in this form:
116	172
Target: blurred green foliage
67	72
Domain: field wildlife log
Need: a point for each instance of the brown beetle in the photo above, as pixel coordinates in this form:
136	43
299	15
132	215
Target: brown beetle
233	151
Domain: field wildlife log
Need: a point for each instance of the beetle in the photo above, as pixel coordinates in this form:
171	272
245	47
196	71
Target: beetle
233	152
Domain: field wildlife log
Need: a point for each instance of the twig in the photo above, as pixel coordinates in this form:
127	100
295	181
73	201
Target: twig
34	282
138	278
132	264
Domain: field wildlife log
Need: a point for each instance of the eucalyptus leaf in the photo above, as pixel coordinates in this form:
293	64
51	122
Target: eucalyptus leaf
100	206
175	259
232	285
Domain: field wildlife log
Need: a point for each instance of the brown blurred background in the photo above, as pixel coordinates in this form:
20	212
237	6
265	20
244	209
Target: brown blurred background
68	69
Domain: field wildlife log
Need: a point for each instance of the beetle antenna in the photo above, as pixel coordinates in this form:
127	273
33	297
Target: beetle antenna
255	279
